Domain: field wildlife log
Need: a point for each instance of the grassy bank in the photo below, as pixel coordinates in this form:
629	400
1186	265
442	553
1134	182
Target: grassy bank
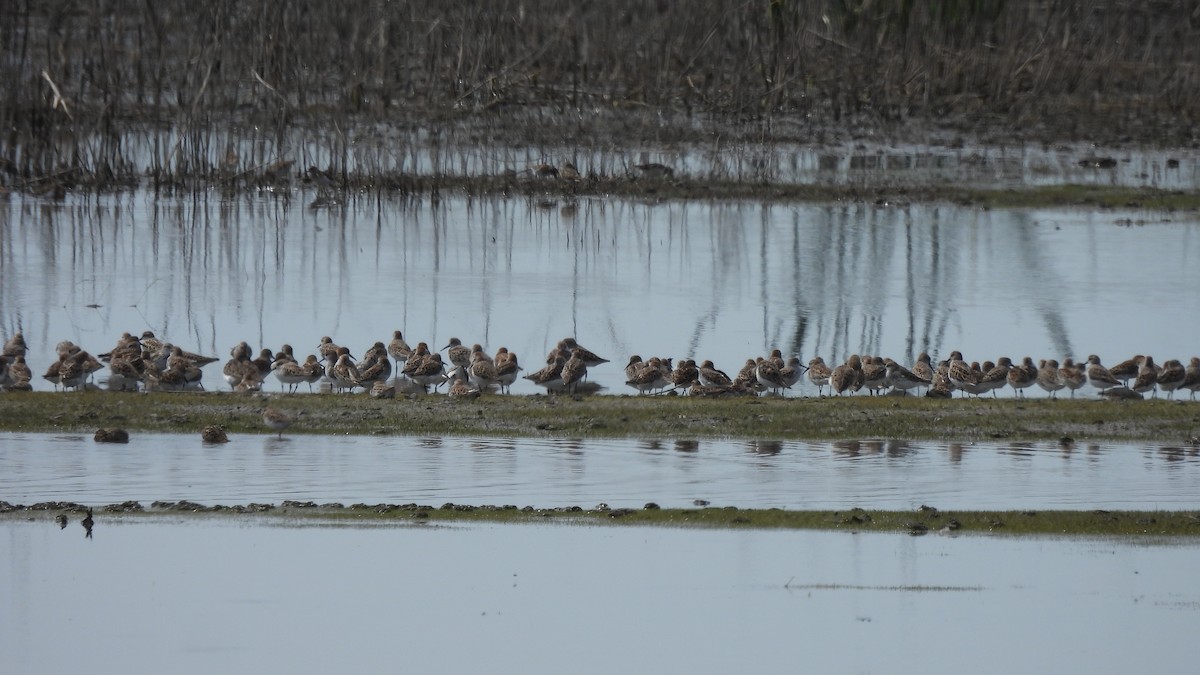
861	417
925	520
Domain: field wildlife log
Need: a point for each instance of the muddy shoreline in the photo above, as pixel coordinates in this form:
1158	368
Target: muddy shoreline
862	417
924	520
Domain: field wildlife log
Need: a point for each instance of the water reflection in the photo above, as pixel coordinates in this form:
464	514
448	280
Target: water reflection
624	473
730	598
723	280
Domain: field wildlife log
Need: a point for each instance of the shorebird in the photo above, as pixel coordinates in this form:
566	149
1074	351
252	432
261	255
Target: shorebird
776	358
997	376
711	377
589	358
431	370
326	349
570	173
51	374
344	373
456	353
507	370
941	386
262	363
72	374
1049	379
15	345
418	356
1191	378
635	364
902	378
214	434
1073	375
766	373
790	372
748	375
62	521
1147	376
874	372
128	347
1128	369
1098	376
149	342
649	377
818	373
111	435
313	371
922	368
573	372
18	371
88	523
961	375
239	367
375	368
482	373
1172	376
544	171
847	377
398	349
382	390
1022	376
276	420
549	377
459	388
685	374
239	351
290	374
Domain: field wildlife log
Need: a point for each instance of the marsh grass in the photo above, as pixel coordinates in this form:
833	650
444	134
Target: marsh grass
102	93
849	418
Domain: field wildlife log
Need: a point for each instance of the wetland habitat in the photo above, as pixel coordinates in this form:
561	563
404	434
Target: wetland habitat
707	180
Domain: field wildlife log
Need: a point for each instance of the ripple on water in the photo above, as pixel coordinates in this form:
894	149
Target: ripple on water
622	472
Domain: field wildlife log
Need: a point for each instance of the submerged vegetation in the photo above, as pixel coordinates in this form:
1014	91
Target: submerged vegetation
232	93
770	418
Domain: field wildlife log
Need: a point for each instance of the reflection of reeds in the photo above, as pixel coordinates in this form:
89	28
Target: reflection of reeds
101	92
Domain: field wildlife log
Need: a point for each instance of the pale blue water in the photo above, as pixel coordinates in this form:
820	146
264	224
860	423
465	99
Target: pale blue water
724	281
225	595
619	472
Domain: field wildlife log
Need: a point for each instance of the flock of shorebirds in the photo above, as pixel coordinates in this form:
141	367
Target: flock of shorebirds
148	363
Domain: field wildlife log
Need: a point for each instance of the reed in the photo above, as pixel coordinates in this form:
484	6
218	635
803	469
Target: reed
106	92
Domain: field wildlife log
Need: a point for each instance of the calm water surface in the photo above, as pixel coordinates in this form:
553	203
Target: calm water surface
201	596
722	281
622	473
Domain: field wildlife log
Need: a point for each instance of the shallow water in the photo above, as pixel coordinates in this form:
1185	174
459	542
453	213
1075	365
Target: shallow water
622	473
203	596
723	281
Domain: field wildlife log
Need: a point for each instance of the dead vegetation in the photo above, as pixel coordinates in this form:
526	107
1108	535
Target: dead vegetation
104	93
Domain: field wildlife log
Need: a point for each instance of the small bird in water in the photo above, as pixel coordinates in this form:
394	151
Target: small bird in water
276	420
111	435
214	434
62	521
87	523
